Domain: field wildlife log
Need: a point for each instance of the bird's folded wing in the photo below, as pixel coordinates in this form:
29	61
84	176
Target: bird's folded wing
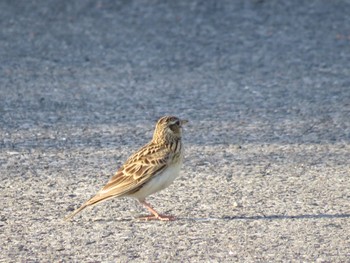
137	170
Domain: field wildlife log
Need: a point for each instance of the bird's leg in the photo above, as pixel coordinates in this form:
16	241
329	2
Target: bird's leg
155	215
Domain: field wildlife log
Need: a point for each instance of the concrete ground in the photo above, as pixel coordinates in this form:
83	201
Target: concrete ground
265	84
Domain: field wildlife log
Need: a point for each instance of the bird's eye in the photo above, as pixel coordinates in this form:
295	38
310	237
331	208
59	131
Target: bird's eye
174	126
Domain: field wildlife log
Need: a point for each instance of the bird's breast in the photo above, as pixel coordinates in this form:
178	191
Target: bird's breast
160	181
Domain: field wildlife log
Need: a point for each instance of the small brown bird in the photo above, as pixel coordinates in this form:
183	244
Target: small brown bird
151	169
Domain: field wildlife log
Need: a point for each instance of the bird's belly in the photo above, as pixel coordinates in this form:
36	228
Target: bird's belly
159	182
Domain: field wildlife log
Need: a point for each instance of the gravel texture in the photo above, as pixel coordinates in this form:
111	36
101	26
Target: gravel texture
265	84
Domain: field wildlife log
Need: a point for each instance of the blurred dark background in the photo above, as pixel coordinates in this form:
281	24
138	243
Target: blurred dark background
276	68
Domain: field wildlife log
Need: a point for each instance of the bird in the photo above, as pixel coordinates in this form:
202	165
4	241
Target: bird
150	169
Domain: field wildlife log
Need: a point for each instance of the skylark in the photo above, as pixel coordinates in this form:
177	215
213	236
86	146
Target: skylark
151	169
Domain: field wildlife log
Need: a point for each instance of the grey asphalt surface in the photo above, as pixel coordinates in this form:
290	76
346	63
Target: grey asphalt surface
265	84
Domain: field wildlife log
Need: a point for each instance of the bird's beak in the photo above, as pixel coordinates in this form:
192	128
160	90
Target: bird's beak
182	122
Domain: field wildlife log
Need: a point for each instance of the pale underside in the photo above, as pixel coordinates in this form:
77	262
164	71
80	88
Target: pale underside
158	182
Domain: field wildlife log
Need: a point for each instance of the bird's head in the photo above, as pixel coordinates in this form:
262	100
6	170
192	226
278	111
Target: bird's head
168	128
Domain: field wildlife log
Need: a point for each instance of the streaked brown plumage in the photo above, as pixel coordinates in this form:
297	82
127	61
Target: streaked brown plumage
151	169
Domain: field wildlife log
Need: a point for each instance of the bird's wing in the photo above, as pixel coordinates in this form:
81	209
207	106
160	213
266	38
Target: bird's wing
138	169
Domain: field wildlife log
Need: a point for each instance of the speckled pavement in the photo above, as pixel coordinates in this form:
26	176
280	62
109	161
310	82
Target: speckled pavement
265	85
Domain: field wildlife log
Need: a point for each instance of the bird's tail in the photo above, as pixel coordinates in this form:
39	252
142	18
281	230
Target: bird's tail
70	216
91	202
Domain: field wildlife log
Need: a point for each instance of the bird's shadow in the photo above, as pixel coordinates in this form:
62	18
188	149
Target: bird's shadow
269	217
237	218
